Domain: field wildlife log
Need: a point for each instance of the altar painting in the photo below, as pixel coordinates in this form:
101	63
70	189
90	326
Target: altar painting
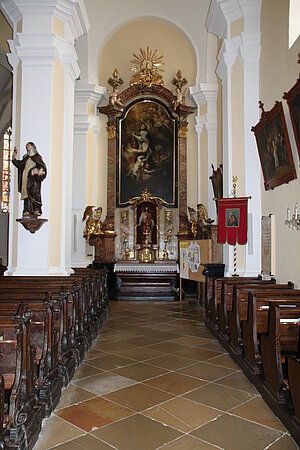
147	152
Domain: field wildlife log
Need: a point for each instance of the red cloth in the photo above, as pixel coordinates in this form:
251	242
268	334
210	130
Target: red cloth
233	220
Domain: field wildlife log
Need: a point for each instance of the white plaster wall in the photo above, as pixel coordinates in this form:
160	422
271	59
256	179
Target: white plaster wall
278	73
105	19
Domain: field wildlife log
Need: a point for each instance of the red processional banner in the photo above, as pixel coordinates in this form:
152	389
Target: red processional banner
233	214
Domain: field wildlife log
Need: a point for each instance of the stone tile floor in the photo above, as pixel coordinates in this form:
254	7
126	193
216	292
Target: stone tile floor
155	378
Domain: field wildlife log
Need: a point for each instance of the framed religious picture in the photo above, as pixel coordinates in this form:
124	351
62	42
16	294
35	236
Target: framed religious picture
293	99
147	152
146	224
274	147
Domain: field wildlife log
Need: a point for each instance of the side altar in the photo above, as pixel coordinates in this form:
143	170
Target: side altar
146	182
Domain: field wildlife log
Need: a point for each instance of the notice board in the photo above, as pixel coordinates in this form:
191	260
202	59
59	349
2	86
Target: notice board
192	255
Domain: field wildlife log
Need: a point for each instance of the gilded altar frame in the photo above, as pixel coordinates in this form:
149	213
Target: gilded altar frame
153	205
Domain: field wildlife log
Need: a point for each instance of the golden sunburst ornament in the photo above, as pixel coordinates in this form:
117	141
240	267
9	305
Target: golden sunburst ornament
147	67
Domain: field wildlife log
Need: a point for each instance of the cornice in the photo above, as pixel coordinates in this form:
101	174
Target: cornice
11	12
68	57
250	47
197	95
89	93
41	51
71	12
200	122
221	14
82	123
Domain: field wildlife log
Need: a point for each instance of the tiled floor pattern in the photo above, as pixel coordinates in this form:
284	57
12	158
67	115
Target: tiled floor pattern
155	378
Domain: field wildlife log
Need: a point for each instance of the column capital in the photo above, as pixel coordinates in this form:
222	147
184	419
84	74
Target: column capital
204	93
211	124
68	57
227	56
249	50
71	12
221	14
88	94
35	50
200	122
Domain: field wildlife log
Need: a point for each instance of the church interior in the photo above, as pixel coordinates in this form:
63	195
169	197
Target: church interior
149	278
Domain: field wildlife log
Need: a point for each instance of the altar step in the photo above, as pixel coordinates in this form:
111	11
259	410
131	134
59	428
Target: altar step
136	286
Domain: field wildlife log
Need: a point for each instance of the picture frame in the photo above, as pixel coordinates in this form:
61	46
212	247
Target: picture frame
293	100
147	152
274	147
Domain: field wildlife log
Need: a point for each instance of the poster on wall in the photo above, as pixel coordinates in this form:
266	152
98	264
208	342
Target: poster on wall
146	152
192	255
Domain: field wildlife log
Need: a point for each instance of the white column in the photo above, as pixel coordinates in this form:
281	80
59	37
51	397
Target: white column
199	99
68	58
42	55
210	92
250	53
227	58
86	95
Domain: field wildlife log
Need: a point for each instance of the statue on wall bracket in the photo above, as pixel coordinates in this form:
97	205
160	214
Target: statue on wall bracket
31	172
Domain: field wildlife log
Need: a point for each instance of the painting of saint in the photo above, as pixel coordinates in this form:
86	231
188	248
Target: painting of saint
146	224
232	217
147	152
274	148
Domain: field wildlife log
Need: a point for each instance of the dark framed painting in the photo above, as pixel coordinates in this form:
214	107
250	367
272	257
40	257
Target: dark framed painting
293	100
274	148
147	152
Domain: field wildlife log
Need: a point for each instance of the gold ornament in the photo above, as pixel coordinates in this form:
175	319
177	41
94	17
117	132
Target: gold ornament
147	67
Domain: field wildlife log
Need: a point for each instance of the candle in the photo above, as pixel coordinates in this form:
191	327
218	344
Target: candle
296	210
288	214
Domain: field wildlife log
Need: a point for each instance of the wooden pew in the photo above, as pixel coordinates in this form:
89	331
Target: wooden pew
226	301
18	367
239	310
2	408
45	339
62	318
73	308
85	305
282	340
294	383
215	299
256	323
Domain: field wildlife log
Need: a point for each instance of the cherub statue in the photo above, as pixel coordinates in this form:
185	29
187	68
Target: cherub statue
114	98
179	97
93	223
202	216
193	220
198	218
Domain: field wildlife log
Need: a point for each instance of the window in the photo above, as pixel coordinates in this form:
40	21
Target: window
6	171
294	21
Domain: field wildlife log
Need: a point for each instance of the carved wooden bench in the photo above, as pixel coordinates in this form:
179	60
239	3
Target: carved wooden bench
63	320
45	338
282	340
294	383
256	324
239	310
216	293
18	367
226	301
